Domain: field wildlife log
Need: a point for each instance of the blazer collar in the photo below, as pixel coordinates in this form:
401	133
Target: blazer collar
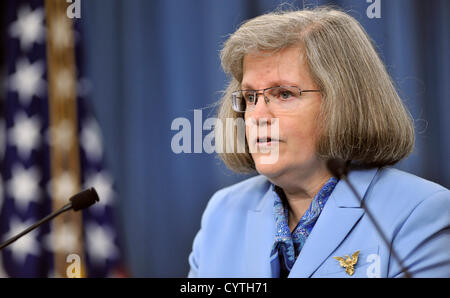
260	231
361	180
359	177
340	214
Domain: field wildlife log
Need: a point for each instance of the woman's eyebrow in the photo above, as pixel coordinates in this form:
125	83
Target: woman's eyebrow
246	86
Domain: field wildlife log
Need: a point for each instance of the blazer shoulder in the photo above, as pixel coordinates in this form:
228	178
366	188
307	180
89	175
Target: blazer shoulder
244	195
411	184
397	192
415	214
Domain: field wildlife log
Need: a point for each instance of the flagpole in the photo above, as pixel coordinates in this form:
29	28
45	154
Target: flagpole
65	159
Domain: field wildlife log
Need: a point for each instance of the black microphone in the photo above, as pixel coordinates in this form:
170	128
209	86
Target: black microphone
77	202
339	168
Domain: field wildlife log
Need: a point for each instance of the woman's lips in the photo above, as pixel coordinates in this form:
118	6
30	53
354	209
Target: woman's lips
266	141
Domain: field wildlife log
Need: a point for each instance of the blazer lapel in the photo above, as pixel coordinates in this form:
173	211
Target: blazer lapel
260	233
340	214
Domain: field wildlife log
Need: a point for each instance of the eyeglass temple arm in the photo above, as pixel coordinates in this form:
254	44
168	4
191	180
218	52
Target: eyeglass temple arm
310	91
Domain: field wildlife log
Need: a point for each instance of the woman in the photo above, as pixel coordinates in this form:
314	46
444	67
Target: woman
316	76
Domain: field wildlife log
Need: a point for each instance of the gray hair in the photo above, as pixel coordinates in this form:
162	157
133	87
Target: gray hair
362	118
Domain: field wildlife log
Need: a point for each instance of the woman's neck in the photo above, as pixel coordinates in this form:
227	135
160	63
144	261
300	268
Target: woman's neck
300	195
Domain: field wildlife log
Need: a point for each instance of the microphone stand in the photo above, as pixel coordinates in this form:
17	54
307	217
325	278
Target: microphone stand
80	201
377	227
340	168
37	224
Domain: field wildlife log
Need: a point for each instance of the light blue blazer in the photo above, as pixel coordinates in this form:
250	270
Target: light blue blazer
238	228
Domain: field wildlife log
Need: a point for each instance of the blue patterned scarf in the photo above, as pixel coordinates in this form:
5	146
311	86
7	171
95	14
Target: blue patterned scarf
287	246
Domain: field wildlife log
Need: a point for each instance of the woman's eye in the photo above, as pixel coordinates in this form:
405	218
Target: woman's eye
285	95
250	98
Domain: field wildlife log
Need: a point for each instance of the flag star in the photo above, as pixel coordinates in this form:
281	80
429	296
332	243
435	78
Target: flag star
25	134
90	140
64	186
27	80
63	239
102	182
23	186
27	245
100	243
29	27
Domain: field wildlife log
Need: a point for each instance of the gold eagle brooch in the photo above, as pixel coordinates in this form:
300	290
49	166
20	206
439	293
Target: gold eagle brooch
348	263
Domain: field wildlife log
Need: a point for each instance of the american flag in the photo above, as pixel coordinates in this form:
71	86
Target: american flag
50	148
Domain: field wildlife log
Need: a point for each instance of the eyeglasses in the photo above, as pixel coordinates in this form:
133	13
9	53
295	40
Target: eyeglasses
281	98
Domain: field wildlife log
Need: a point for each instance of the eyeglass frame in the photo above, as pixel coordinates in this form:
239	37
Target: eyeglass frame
266	99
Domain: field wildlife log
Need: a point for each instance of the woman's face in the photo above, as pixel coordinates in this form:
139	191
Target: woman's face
297	127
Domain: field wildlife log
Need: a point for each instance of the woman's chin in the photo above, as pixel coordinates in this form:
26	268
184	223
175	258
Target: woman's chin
268	169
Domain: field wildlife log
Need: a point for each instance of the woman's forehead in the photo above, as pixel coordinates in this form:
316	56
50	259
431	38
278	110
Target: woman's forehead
284	67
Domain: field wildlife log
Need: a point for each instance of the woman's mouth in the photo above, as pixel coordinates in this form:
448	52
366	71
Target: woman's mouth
266	141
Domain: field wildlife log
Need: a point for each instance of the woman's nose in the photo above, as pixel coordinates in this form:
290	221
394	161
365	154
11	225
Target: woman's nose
261	104
261	111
